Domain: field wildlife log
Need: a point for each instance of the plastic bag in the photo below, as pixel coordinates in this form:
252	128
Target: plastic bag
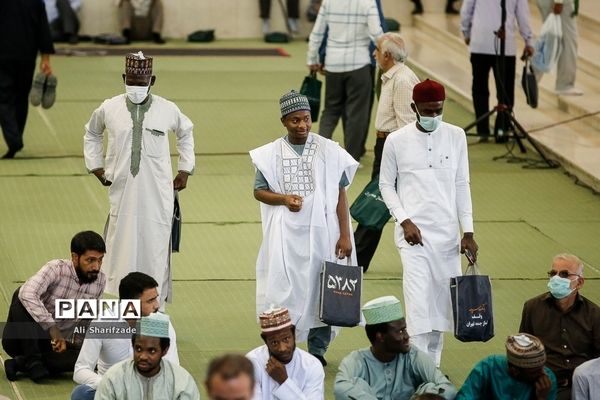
548	46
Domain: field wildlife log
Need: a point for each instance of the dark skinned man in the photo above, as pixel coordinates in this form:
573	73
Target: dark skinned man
391	368
431	204
301	181
281	370
137	170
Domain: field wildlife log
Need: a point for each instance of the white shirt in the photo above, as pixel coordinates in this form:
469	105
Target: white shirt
305	377
479	19
350	25
586	381
432	174
393	111
106	352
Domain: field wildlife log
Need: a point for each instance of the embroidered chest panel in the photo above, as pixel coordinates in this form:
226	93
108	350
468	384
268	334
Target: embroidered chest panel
297	171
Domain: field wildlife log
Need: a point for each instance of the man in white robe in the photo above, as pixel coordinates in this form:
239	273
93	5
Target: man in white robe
424	181
281	370
301	183
137	169
148	375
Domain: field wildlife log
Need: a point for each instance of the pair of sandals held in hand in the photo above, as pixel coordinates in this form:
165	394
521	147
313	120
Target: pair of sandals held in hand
43	90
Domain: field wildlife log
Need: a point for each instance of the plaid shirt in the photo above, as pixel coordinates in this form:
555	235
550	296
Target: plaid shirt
56	280
351	25
393	111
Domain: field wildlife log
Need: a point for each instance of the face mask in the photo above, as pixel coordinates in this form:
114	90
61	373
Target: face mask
136	94
560	287
430	124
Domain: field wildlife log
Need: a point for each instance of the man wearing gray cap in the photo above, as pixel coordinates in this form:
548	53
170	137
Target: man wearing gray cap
148	376
301	181
391	368
520	375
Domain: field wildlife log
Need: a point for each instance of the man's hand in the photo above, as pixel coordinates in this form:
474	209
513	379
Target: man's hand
343	247
468	243
315	68
293	202
276	370
412	234
542	387
557	8
58	343
527	52
45	65
467	41
180	181
100	175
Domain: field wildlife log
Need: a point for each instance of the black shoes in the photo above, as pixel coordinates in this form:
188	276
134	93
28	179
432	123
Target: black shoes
37	372
157	38
10	154
10	368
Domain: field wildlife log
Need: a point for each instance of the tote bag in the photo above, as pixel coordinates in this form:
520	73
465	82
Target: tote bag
472	306
341	287
368	209
311	88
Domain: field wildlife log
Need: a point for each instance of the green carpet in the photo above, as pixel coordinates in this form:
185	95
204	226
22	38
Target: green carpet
522	217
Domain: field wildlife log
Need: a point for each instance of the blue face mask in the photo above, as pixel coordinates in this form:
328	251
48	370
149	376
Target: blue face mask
560	287
430	124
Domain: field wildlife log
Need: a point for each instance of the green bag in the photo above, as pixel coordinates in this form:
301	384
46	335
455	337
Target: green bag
369	209
311	88
202	36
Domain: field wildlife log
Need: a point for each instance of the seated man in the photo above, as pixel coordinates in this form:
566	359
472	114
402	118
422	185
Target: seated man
281	370
63	20
567	323
391	368
586	381
148	376
520	375
141	20
230	377
98	354
39	343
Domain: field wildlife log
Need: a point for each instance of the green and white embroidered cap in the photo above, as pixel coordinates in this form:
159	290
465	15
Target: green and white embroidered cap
382	309
154	325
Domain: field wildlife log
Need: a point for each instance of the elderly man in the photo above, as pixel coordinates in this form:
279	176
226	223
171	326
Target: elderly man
348	80
230	377
301	182
391	368
283	371
40	343
100	352
520	375
137	169
566	322
424	182
480	21
148	375
393	112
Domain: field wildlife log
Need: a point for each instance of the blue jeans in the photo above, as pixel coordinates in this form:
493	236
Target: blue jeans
83	392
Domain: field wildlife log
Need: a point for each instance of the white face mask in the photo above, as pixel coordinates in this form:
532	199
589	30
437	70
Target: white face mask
137	94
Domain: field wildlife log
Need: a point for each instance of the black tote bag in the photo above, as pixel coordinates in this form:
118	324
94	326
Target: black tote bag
341	287
529	84
368	209
176	226
472	306
311	88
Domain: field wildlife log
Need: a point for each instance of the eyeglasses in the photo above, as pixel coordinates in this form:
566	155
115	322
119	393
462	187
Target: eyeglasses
563	274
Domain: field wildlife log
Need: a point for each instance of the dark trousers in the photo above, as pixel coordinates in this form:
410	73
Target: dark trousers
29	344
67	23
346	96
293	8
505	88
15	83
367	239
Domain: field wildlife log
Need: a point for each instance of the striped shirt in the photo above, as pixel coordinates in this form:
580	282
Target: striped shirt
351	25
56	280
393	111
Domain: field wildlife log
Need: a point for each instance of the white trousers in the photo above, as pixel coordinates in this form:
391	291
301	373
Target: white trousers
430	343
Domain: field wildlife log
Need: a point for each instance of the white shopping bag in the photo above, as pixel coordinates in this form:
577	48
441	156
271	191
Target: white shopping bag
548	46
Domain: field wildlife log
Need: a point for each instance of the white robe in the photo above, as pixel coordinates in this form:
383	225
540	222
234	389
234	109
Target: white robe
141	207
306	377
432	174
295	244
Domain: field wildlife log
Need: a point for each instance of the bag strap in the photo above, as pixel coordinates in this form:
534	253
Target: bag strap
473	269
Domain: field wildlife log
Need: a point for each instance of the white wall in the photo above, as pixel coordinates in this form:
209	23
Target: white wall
229	18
